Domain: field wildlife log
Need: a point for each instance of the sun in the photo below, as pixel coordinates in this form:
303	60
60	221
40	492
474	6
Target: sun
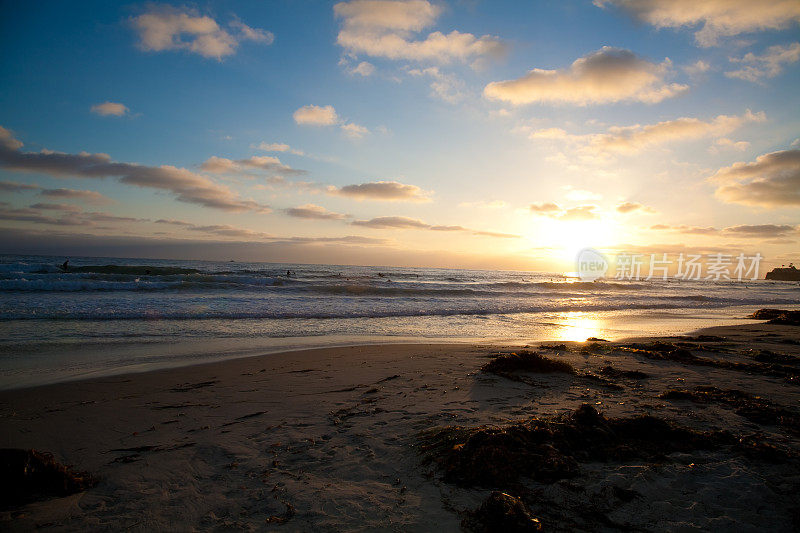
568	237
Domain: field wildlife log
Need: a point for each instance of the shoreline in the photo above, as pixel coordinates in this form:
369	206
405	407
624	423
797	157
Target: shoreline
65	359
330	438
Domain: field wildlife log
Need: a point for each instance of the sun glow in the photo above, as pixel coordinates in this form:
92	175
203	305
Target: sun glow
577	327
568	237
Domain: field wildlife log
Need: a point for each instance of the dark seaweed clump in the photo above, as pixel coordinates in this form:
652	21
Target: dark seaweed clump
526	361
768	356
549	449
31	475
667	351
778	316
753	408
611	372
502	512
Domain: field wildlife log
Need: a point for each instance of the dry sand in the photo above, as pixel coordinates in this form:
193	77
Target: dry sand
329	440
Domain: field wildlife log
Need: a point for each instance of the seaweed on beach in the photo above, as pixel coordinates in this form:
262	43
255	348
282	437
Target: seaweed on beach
611	372
501	512
753	408
550	449
554	347
778	316
31	475
526	361
704	338
667	351
768	356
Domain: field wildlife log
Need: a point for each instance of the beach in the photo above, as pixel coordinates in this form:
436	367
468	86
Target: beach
343	438
400	265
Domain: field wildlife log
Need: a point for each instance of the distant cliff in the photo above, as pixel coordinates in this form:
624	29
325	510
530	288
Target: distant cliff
789	273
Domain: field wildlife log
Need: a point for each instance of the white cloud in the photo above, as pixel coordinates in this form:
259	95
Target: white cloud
113	109
696	68
772	181
631	207
724	142
547	208
581	212
444	86
767	65
277	147
388	191
633	139
606	76
365	68
719	18
168	28
552	210
354	131
636	138
386	28
252	34
273	147
313	115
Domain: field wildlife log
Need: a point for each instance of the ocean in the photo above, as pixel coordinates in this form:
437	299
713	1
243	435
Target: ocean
110	315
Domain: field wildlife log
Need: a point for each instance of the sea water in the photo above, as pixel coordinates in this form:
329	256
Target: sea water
110	315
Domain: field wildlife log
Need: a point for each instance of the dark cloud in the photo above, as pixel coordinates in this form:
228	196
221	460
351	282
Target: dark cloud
392	223
231	231
173	222
772	181
743	230
27	214
272	165
314	212
88	196
761	230
389	191
187	186
413	223
13	186
56	207
688	230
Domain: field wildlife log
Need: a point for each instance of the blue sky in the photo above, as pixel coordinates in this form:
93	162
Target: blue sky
443	150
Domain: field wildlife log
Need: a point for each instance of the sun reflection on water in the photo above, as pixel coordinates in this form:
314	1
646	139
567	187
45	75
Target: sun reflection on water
578	326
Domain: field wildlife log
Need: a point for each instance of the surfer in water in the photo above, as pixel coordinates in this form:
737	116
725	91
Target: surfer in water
65	266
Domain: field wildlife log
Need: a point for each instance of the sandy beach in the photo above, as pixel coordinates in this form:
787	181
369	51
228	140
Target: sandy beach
341	438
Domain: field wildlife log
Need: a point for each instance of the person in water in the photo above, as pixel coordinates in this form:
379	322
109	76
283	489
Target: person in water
65	266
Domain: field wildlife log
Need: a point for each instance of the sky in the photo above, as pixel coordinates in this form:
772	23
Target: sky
463	134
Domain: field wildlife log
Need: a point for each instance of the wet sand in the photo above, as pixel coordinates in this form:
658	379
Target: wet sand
332	439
